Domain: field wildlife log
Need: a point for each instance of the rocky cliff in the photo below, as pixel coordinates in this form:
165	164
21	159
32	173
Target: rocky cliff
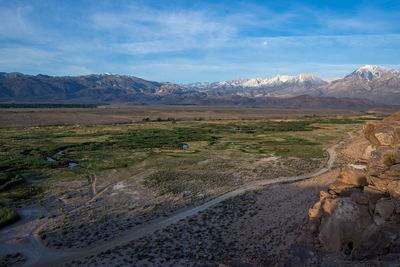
359	214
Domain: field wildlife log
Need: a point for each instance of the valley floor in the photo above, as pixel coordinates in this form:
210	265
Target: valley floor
215	202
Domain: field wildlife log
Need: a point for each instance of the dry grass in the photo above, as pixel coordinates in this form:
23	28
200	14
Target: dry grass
128	114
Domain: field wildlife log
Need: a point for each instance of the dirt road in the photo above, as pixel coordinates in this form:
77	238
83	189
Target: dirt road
51	257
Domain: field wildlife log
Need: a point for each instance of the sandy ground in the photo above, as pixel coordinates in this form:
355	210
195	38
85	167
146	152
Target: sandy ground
19	237
256	225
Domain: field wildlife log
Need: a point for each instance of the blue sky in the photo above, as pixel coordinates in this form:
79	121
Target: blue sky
188	41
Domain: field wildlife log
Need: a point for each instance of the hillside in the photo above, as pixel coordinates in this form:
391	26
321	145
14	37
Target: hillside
114	88
94	88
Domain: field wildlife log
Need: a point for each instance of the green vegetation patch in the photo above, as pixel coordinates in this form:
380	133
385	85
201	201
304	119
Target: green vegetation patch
7	216
95	148
161	138
7	181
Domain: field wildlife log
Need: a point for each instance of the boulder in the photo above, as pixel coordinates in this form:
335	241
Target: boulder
385	135
373	194
376	159
345	226
324	194
329	205
394	189
353	176
359	198
376	241
379	183
397	134
391	158
316	211
383	210
367	152
369	134
394	171
339	188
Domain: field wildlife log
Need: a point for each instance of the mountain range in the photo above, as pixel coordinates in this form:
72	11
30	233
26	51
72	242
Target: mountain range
369	82
359	90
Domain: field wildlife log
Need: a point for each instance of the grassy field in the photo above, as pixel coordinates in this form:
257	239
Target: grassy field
30	116
218	153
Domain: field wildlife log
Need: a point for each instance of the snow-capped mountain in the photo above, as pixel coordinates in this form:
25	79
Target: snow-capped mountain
278	80
279	85
198	85
371	72
371	82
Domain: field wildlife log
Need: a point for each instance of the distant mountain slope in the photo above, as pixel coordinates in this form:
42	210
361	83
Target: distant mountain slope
278	85
370	82
111	88
90	88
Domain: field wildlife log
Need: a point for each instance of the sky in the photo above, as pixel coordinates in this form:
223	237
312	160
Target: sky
191	41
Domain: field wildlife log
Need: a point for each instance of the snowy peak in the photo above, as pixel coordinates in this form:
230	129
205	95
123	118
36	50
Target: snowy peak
277	80
372	72
197	85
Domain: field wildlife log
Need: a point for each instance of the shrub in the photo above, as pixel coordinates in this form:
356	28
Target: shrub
11	182
7	216
391	158
42	236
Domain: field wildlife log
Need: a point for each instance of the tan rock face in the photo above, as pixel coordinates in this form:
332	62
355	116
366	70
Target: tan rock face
379	183
367	152
316	211
352	176
323	195
385	136
360	213
369	134
342	189
329	205
394	171
376	159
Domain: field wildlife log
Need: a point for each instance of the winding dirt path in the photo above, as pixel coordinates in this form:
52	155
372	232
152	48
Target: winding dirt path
52	257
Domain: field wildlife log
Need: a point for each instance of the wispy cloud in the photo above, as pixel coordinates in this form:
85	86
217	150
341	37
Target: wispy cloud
14	23
152	31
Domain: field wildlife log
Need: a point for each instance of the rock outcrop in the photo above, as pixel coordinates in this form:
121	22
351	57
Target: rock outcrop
359	214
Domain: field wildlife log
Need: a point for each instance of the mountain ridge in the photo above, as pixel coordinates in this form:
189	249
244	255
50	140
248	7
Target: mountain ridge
370	82
277	91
